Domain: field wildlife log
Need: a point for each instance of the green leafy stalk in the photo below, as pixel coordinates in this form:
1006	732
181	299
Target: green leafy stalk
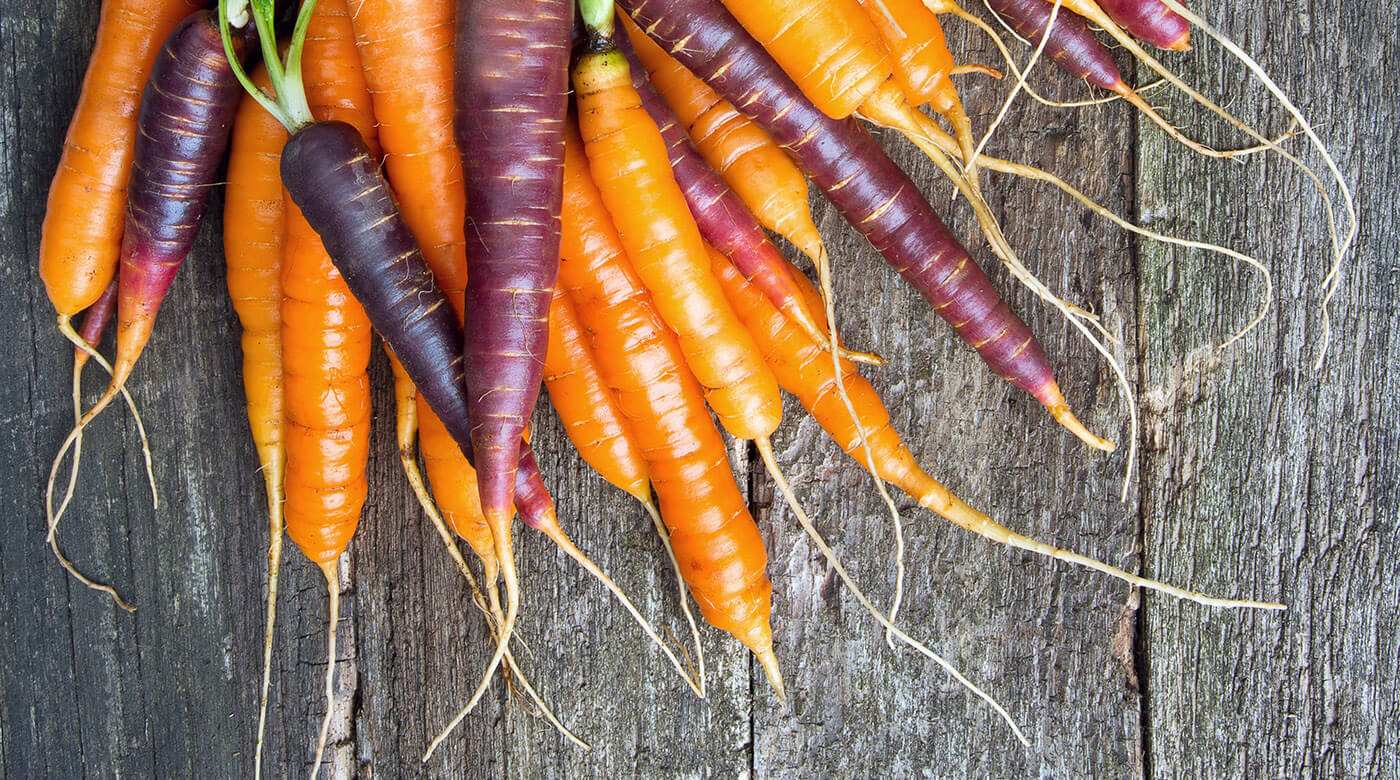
597	17
288	103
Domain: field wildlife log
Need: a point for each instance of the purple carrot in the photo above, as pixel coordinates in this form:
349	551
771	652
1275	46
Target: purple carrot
1151	21
869	190
326	167
723	219
1071	44
95	321
182	130
511	96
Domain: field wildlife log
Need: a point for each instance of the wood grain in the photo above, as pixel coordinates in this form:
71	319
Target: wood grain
1259	478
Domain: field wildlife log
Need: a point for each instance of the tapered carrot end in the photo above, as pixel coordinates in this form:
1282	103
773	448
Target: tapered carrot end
1053	400
775	675
1066	418
1181	44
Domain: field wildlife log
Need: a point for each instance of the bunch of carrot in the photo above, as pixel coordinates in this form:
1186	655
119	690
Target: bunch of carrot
419	170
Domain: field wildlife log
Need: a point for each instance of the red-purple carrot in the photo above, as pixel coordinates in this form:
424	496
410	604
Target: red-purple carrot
1151	21
869	190
1072	45
183	124
511	99
724	221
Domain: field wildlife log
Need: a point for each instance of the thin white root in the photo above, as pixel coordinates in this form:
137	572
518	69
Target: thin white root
274	561
682	592
74	441
766	452
969	165
506	555
331	570
66	327
589	566
1333	278
1339	246
828	299
495	620
950	145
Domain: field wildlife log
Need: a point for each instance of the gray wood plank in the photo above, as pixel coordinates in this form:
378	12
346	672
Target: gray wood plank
1269	478
1306	515
1037	635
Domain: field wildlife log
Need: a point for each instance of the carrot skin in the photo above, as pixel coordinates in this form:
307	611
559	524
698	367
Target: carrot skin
80	245
511	96
331	176
186	113
1071	44
1151	21
97	316
724	221
869	190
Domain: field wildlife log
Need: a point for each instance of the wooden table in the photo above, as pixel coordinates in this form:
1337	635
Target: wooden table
1258	477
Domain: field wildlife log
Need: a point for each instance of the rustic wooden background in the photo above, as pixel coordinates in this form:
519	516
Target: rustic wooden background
1259	477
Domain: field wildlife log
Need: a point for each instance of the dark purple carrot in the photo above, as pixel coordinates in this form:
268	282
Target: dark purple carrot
1151	21
724	221
341	191
511	100
869	190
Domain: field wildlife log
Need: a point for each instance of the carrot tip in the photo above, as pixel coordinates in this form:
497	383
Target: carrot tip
775	675
1181	44
1066	418
868	358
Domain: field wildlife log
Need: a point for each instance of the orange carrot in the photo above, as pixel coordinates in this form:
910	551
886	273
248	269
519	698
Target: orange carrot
326	383
86	215
830	49
713	535
627	158
600	431
407	53
254	217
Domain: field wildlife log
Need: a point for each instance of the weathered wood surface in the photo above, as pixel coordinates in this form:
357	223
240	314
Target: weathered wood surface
1259	477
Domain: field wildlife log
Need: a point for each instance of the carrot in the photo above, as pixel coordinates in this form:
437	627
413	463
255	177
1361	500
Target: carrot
871	192
830	49
186	110
254	218
804	370
754	167
407	51
1070	44
511	97
627	158
601	432
1151	21
720	215
84	221
714	537
328	332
